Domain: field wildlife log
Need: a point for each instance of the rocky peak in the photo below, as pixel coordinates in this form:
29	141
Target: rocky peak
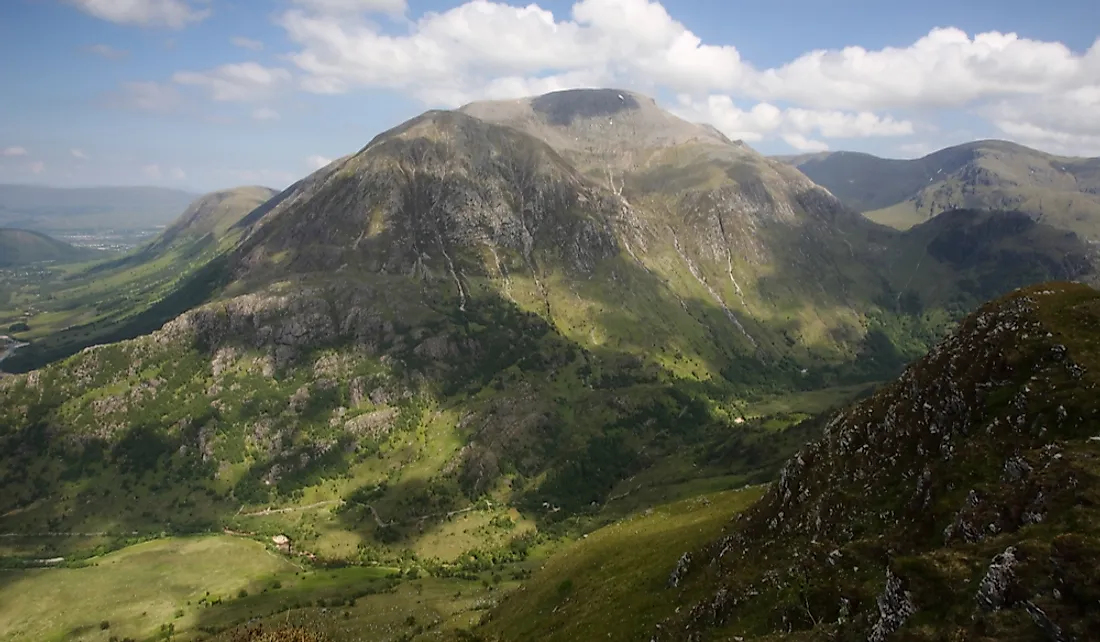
597	127
438	195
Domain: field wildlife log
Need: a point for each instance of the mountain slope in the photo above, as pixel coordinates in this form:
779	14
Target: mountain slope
215	213
461	312
997	175
85	208
959	502
21	247
135	293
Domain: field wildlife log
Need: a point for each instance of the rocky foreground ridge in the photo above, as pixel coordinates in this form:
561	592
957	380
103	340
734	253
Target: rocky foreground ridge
960	502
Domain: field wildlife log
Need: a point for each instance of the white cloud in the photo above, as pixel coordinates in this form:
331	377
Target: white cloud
1065	123
803	144
793	125
152	171
13	151
238	82
946	68
484	49
393	7
472	45
78	154
107	51
177	174
36	167
271	178
247	43
167	13
317	161
265	113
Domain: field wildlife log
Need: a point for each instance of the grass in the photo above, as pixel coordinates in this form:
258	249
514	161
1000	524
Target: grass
135	589
900	216
610	585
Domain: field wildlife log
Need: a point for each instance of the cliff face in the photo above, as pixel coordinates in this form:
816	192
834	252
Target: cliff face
957	501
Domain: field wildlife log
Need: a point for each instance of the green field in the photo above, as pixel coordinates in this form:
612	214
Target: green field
134	590
204	586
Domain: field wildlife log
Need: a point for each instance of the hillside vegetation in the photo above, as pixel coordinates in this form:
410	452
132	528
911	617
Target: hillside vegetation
24	247
990	175
61	311
483	335
959	502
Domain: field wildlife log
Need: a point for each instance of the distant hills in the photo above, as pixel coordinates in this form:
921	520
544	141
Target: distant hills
57	209
990	174
133	294
22	247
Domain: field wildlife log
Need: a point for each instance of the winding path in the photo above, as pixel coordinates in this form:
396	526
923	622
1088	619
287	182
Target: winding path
289	509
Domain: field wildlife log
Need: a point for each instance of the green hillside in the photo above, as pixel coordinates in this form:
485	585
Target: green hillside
23	247
959	502
992	175
484	335
67	309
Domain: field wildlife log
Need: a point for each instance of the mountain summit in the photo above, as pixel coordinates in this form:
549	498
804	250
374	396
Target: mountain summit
596	128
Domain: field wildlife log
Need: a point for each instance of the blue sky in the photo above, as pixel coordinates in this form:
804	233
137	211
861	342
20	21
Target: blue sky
203	94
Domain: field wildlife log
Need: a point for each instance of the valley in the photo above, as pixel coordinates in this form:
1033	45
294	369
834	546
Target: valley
492	375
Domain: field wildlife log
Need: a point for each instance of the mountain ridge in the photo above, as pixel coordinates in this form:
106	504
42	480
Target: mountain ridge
985	174
967	466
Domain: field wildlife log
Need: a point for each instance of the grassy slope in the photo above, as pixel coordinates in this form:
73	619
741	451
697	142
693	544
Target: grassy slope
21	247
932	478
609	585
135	589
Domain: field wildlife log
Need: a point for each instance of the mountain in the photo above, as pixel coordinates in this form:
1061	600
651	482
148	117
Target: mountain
133	294
510	314
960	501
89	208
22	247
995	175
215	213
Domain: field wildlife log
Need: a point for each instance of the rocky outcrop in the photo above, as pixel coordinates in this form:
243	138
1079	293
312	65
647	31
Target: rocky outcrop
994	592
956	460
895	606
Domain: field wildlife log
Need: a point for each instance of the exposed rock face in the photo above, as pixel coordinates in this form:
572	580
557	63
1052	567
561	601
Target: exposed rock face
982	438
999	581
895	606
429	196
681	569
